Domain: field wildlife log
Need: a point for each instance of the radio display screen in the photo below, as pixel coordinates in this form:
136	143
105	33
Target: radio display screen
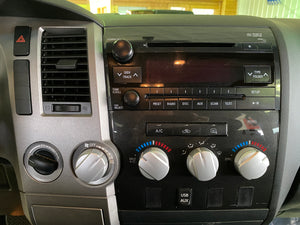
191	68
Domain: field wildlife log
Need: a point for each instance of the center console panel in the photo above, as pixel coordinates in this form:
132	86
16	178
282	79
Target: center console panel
196	124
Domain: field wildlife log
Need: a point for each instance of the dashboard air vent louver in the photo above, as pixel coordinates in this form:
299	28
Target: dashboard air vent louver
64	71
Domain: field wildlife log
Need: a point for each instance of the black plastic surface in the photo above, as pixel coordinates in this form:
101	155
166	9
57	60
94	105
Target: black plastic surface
214	197
22	87
191	217
153	198
245	196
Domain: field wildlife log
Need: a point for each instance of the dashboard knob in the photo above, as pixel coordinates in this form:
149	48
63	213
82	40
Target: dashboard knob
251	163
91	165
131	98
122	51
154	164
43	162
202	164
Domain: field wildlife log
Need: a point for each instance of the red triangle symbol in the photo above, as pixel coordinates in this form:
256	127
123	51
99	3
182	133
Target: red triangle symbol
21	39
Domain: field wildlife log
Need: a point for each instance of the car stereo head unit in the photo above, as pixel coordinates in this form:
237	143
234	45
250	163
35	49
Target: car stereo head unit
193	75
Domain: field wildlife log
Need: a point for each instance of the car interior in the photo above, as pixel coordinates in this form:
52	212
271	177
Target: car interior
158	117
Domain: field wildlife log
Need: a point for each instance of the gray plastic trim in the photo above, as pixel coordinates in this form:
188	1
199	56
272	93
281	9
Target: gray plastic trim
86	108
287	33
64	132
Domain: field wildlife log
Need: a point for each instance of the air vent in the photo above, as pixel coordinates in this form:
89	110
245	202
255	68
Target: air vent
64	71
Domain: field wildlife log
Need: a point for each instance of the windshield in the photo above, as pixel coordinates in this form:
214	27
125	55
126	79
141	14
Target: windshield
261	8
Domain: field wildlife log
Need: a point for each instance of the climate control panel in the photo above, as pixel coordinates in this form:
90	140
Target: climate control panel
170	170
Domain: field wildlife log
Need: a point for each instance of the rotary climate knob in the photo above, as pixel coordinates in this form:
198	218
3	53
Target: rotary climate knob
251	163
202	164
154	163
91	165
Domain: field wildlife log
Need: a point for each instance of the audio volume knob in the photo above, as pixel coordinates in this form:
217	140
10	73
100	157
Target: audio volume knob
91	165
131	98
251	163
202	164
122	51
154	164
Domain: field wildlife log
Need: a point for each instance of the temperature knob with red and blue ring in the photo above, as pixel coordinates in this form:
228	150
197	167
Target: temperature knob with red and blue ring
250	162
154	161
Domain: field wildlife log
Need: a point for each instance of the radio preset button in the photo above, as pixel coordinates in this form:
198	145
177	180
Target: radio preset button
185	91
199	104
214	104
200	91
157	91
228	91
156	104
257	74
185	104
124	75
261	92
214	91
171	103
171	91
256	103
229	104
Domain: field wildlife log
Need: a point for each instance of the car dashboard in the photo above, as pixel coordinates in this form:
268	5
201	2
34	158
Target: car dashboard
147	119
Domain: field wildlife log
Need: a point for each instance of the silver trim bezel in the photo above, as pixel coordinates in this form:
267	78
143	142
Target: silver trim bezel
32	172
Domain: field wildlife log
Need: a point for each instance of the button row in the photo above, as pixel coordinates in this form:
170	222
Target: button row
214	197
199	104
250	92
191	91
200	129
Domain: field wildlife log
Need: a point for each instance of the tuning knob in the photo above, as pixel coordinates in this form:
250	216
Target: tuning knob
122	51
251	163
91	165
154	163
202	164
131	98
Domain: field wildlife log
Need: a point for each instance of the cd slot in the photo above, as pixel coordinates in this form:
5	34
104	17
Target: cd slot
190	44
166	96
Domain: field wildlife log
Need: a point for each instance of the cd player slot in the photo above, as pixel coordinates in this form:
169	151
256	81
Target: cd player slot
185	44
166	96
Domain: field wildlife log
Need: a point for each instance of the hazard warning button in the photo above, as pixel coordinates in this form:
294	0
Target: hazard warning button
22	41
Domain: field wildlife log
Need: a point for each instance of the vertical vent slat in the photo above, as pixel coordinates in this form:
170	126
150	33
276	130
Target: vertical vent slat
64	65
